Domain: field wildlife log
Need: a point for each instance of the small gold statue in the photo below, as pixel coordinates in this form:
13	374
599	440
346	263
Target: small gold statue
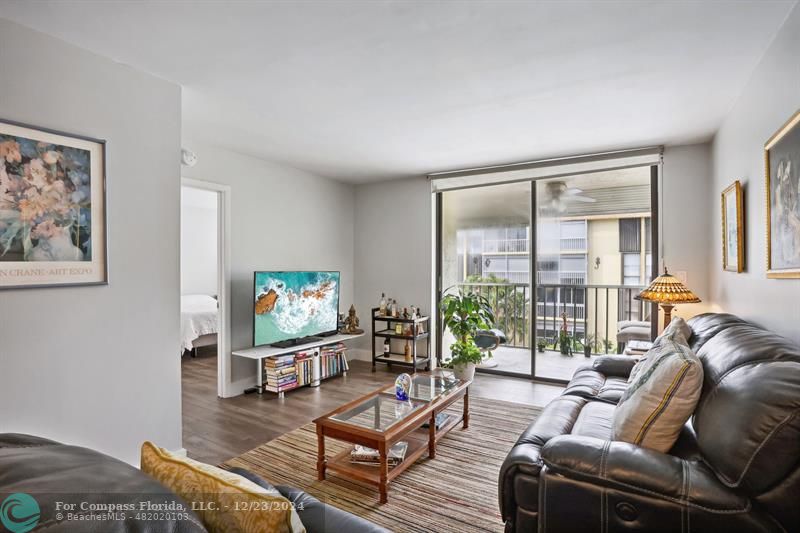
351	323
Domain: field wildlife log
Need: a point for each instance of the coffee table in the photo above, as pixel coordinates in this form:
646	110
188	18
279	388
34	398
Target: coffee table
378	420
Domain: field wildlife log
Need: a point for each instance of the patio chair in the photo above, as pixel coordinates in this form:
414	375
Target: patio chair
632	330
486	341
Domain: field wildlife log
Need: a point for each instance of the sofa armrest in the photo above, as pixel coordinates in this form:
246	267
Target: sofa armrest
630	468
615	365
518	479
318	517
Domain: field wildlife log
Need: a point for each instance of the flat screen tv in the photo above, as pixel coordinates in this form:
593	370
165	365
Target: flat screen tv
292	306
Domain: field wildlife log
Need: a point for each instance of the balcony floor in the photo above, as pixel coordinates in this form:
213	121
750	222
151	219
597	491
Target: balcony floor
550	364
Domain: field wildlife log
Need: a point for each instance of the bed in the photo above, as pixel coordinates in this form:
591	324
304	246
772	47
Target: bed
199	321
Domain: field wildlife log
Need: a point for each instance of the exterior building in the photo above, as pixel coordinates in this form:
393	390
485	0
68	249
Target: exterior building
590	262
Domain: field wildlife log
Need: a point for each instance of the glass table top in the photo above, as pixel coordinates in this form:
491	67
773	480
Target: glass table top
429	388
381	411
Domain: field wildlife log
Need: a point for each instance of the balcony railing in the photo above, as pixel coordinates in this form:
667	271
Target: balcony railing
592	312
573	244
505	246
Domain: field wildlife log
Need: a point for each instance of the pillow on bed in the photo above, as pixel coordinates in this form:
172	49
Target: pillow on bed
197	300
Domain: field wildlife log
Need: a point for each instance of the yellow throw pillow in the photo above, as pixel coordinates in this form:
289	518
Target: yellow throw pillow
224	501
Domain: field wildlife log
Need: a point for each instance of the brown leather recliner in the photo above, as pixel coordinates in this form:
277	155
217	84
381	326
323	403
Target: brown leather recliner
735	467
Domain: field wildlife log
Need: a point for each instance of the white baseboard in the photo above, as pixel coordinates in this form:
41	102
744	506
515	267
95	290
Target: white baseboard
237	388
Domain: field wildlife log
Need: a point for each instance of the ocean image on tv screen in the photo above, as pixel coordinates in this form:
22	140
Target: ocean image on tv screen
290	305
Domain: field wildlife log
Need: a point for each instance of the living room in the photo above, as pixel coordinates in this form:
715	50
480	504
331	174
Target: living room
570	175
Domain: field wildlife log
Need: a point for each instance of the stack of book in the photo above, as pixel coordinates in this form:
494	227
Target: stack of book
369	456
280	373
304	363
333	360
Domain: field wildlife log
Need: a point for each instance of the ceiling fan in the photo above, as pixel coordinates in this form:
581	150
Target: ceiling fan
558	196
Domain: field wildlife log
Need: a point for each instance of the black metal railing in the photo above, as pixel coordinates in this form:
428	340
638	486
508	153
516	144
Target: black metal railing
592	312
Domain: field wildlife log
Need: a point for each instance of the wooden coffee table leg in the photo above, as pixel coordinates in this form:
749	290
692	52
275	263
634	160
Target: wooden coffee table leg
466	408
384	473
320	454
432	436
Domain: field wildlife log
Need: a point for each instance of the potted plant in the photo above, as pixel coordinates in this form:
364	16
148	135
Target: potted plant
564	338
588	342
541	344
464	314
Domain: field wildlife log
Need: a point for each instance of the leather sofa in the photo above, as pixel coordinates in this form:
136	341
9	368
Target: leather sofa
52	472
735	466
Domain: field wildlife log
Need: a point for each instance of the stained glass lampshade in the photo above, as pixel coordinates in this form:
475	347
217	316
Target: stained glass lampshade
668	291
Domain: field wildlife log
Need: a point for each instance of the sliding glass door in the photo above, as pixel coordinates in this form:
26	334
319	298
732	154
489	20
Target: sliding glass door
593	256
485	248
560	260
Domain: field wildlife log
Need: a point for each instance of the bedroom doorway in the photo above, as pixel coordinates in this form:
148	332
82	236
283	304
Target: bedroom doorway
205	285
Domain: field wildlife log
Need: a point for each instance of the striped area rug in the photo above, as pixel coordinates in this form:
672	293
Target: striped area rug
454	493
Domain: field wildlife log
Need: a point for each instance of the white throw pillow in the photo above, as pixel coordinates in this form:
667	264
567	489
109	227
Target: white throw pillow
661	395
678	326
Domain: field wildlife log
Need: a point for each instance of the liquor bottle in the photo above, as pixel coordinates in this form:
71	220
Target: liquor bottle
387	346
394	308
383	304
405	313
407	352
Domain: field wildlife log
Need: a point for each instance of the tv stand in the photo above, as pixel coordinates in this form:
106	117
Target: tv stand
259	353
291	343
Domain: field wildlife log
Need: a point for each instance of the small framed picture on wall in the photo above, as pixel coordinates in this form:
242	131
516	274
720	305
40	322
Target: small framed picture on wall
52	208
733	228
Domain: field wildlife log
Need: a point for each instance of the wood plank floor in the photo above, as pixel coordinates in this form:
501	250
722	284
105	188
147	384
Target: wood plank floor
216	429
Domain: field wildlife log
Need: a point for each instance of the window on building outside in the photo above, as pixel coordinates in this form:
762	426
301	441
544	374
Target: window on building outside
631	268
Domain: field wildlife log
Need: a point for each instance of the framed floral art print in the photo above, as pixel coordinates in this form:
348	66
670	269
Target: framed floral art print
52	208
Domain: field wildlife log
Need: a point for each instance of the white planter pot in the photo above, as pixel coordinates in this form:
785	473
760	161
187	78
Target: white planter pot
464	372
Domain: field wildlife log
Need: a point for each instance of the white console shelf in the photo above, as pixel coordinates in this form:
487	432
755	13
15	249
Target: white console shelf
259	353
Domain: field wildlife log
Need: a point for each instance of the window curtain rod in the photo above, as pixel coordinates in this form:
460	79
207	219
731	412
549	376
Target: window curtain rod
546	168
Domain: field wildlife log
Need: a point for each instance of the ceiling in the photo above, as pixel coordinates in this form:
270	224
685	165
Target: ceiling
365	91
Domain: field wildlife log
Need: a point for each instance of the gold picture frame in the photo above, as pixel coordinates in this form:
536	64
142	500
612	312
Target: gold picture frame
733	228
52	208
782	172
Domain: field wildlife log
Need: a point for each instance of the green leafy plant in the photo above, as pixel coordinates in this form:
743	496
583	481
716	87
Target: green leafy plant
587	345
510	303
565	343
564	339
464	314
541	344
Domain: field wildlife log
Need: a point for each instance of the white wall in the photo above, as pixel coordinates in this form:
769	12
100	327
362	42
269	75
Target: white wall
686	191
99	366
198	241
392	245
281	219
767	102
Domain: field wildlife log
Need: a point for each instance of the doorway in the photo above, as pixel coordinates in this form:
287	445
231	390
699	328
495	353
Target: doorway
205	284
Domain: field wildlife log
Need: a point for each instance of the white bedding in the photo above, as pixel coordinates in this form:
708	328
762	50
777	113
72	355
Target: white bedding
199	316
